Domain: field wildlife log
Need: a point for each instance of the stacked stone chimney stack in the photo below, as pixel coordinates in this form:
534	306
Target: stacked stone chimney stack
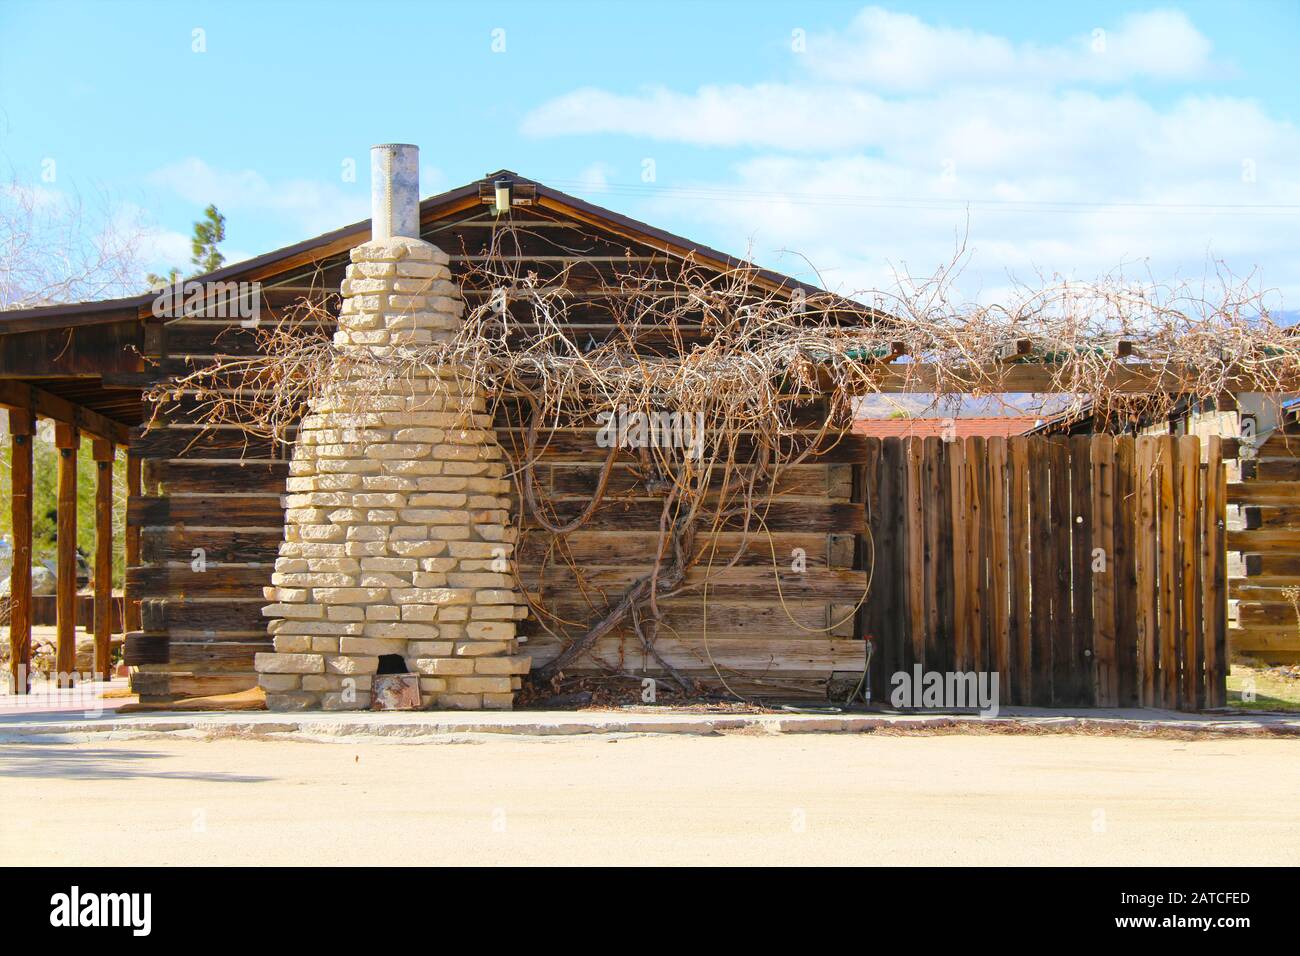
398	541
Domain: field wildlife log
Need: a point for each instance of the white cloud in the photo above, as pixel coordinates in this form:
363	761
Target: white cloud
895	51
869	162
313	205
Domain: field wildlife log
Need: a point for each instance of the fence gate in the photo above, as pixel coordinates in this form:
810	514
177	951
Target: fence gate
1086	570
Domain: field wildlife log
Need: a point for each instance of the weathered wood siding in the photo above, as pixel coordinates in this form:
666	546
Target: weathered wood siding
1085	570
1267	620
212	501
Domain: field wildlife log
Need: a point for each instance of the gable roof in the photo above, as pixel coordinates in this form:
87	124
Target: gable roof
431	209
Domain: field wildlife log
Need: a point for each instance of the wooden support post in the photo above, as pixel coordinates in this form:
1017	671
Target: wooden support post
103	558
22	429
67	439
130	605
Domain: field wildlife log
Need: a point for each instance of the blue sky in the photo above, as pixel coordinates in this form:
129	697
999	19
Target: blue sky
1070	138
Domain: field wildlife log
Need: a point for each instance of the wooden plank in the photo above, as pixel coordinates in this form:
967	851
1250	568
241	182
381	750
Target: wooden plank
19	395
131	543
936	563
22	427
186	581
103	453
616	514
914	534
977	541
1147	479
1043	573
959	508
875	560
1082	651
1123	570
1170	576
1064	670
1214	570
1019	571
1264	493
618	548
67	439
163	545
893	477
998	514
1104	572
1264	540
737	655
1192	647
209	511
203	618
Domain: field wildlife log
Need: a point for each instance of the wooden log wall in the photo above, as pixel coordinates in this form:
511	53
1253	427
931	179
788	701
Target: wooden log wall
1085	570
1267	621
210	517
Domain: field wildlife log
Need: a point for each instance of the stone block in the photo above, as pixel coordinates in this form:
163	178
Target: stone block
288	663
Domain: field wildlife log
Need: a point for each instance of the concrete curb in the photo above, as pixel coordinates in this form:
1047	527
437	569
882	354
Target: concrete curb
443	727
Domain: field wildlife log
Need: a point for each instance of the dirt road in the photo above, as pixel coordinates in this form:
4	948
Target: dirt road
655	800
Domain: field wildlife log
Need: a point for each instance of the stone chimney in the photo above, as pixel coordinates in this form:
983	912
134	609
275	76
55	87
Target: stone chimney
397	541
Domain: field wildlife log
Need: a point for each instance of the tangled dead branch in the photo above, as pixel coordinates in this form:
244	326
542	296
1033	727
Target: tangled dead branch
748	378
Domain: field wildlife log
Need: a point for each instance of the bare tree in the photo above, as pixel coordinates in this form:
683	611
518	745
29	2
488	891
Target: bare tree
54	248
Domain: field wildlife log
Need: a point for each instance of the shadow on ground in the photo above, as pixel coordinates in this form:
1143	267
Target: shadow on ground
88	763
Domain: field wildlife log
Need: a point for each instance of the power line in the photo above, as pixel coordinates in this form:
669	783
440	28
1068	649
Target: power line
772	197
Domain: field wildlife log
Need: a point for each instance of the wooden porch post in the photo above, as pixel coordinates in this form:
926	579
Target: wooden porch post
67	439
131	606
22	428
103	557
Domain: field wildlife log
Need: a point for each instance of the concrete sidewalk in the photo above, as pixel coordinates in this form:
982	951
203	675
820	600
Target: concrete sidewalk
17	726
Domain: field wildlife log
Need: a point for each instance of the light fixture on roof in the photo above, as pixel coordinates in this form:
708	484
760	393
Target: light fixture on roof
501	189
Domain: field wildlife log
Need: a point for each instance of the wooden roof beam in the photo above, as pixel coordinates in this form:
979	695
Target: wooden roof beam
20	395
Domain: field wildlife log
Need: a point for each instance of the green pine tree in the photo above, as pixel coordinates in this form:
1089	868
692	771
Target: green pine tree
209	232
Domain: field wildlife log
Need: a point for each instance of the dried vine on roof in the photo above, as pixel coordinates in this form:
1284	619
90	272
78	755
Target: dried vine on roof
770	373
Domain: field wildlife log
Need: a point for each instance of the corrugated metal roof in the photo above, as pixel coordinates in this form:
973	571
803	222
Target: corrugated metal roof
1003	426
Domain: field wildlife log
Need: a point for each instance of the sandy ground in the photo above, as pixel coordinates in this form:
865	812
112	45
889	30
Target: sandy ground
730	799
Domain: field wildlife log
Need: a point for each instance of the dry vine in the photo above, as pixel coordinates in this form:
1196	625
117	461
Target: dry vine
770	372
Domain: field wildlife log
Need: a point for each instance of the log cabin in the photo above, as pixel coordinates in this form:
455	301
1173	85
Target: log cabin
206	509
878	555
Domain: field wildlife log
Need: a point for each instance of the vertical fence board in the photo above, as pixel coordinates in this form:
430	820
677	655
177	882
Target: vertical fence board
935	562
1042	584
1148	535
975	539
1104	570
876	560
1215	570
1019	562
1192	693
1063	669
1170	578
947	637
915	552
959	493
1084	570
1124	573
999	515
1081	523
892	621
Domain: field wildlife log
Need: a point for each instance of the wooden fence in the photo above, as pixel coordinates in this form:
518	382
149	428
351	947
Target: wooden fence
1086	570
1269	541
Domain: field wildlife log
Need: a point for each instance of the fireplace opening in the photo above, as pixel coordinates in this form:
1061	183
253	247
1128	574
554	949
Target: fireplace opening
391	664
